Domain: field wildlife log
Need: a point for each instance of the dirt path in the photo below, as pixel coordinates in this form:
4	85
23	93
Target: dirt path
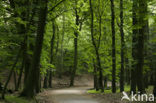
68	95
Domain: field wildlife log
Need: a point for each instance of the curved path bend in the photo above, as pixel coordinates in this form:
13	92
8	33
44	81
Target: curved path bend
70	95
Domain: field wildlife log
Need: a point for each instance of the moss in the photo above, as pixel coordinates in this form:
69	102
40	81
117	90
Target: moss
93	91
14	99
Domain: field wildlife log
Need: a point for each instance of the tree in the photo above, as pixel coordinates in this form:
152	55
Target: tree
96	48
113	48
32	87
52	53
140	45
134	48
122	47
75	46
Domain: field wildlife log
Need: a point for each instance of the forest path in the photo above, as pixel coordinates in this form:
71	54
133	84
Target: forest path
68	95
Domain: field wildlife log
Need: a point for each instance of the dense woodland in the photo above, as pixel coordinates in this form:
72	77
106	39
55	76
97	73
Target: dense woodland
113	40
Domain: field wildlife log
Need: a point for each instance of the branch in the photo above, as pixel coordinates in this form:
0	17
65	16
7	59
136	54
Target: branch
59	14
56	6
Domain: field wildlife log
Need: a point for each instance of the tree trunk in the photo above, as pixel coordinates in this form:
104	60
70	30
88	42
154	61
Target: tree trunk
127	72
140	45
105	82
23	62
52	54
134	47
146	48
98	57
122	47
100	71
32	83
45	83
96	49
15	81
113	48
27	65
75	50
95	76
63	31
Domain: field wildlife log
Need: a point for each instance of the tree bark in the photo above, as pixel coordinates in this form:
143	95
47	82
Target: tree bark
33	81
63	32
122	47
113	48
75	50
15	81
140	45
23	62
96	49
134	48
52	54
95	76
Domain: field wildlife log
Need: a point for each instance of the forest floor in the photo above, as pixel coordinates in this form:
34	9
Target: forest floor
77	95
61	93
66	95
81	93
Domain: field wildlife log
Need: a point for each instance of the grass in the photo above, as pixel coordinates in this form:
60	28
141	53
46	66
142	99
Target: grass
14	99
107	91
126	89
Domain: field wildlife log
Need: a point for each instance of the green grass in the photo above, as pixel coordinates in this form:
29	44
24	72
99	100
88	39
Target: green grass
14	99
107	91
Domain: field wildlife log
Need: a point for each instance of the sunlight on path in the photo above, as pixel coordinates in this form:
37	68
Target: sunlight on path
72	95
67	92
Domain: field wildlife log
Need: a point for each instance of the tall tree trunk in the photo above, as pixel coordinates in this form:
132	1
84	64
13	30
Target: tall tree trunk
113	48
146	43
134	48
32	83
140	45
46	79
99	61
122	47
96	48
75	50
63	32
52	53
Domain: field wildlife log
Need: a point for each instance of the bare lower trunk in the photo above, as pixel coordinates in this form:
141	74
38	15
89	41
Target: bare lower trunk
95	76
